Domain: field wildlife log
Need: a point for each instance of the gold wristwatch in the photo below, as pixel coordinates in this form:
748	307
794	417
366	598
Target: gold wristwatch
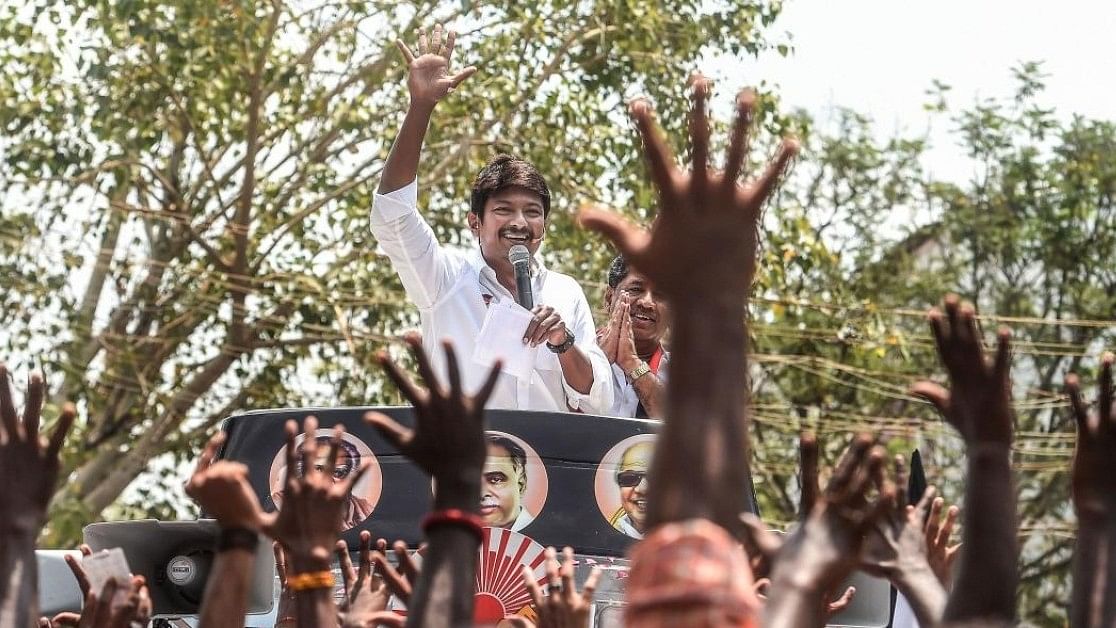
639	371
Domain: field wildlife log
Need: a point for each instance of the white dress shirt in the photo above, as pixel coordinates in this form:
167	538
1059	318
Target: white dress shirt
448	286
626	399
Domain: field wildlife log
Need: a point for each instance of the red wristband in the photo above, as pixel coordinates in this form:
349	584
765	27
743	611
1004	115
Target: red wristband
455	517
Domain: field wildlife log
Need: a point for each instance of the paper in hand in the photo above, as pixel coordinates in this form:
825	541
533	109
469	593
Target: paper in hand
107	565
501	338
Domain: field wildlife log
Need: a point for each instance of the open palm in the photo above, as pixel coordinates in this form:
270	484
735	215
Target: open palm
429	78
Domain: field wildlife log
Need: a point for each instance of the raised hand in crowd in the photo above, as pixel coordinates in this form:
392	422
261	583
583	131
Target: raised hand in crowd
1093	478
366	591
702	212
896	549
817	555
938	533
564	606
222	491
978	405
448	443
109	608
29	466
429	80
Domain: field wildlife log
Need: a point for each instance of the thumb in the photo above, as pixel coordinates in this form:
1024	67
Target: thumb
630	239
937	395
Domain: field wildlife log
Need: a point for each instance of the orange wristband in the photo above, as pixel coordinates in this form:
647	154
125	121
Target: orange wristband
310	580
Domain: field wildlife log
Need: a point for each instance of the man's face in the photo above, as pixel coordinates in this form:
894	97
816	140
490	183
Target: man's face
649	311
502	486
513	215
631	477
344	465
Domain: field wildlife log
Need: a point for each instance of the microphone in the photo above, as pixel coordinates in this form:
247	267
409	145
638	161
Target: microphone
520	259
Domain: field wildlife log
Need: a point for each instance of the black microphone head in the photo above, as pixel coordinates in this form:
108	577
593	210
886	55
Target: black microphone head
518	254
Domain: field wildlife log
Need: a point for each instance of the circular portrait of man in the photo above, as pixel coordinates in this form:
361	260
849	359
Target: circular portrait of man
513	483
352	453
621	484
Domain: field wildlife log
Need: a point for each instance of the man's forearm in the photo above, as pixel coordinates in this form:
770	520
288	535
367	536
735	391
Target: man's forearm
19	580
1094	573
577	370
988	573
226	593
706	401
403	160
443	595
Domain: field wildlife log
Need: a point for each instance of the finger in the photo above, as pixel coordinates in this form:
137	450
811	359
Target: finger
66	619
546	327
947	528
1002	362
209	452
7	407
61	429
423	43
406	562
937	321
309	446
436	40
924	504
280	562
291	429
659	157
738	141
480	398
1077	404
630	239
410	392
767	183
334	449
850	463
365	556
934	393
901	480
553	581
843	602
426	372
408	56
33	406
967	332
79	573
533	586
566	571
589	590
460	77
533	325
396	582
345	563
453	371
808	461
933	521
395	433
451	42
755	533
699	129
1105	394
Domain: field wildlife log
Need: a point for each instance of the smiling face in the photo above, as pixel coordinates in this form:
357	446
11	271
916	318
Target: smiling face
503	482
649	310
513	215
631	477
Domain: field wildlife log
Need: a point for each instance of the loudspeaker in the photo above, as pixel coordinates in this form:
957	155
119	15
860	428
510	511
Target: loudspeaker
176	558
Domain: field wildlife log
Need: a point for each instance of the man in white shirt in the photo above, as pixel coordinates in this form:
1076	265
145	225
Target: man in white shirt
639	318
455	289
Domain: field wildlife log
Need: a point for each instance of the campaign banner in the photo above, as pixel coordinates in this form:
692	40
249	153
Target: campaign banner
556	478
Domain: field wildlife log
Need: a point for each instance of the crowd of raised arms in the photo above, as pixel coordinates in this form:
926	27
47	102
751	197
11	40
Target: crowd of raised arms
702	561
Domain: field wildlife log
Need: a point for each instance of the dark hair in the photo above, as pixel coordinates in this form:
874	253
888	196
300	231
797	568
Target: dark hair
346	447
515	452
617	270
504	171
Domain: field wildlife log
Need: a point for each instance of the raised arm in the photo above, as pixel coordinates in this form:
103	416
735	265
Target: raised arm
29	468
428	81
978	405
701	213
1094	499
448	443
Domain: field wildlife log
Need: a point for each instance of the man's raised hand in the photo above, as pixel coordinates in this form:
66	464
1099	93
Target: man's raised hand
448	439
978	403
702	212
1094	465
28	462
222	490
429	78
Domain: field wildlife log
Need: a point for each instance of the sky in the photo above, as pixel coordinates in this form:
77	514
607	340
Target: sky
879	56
